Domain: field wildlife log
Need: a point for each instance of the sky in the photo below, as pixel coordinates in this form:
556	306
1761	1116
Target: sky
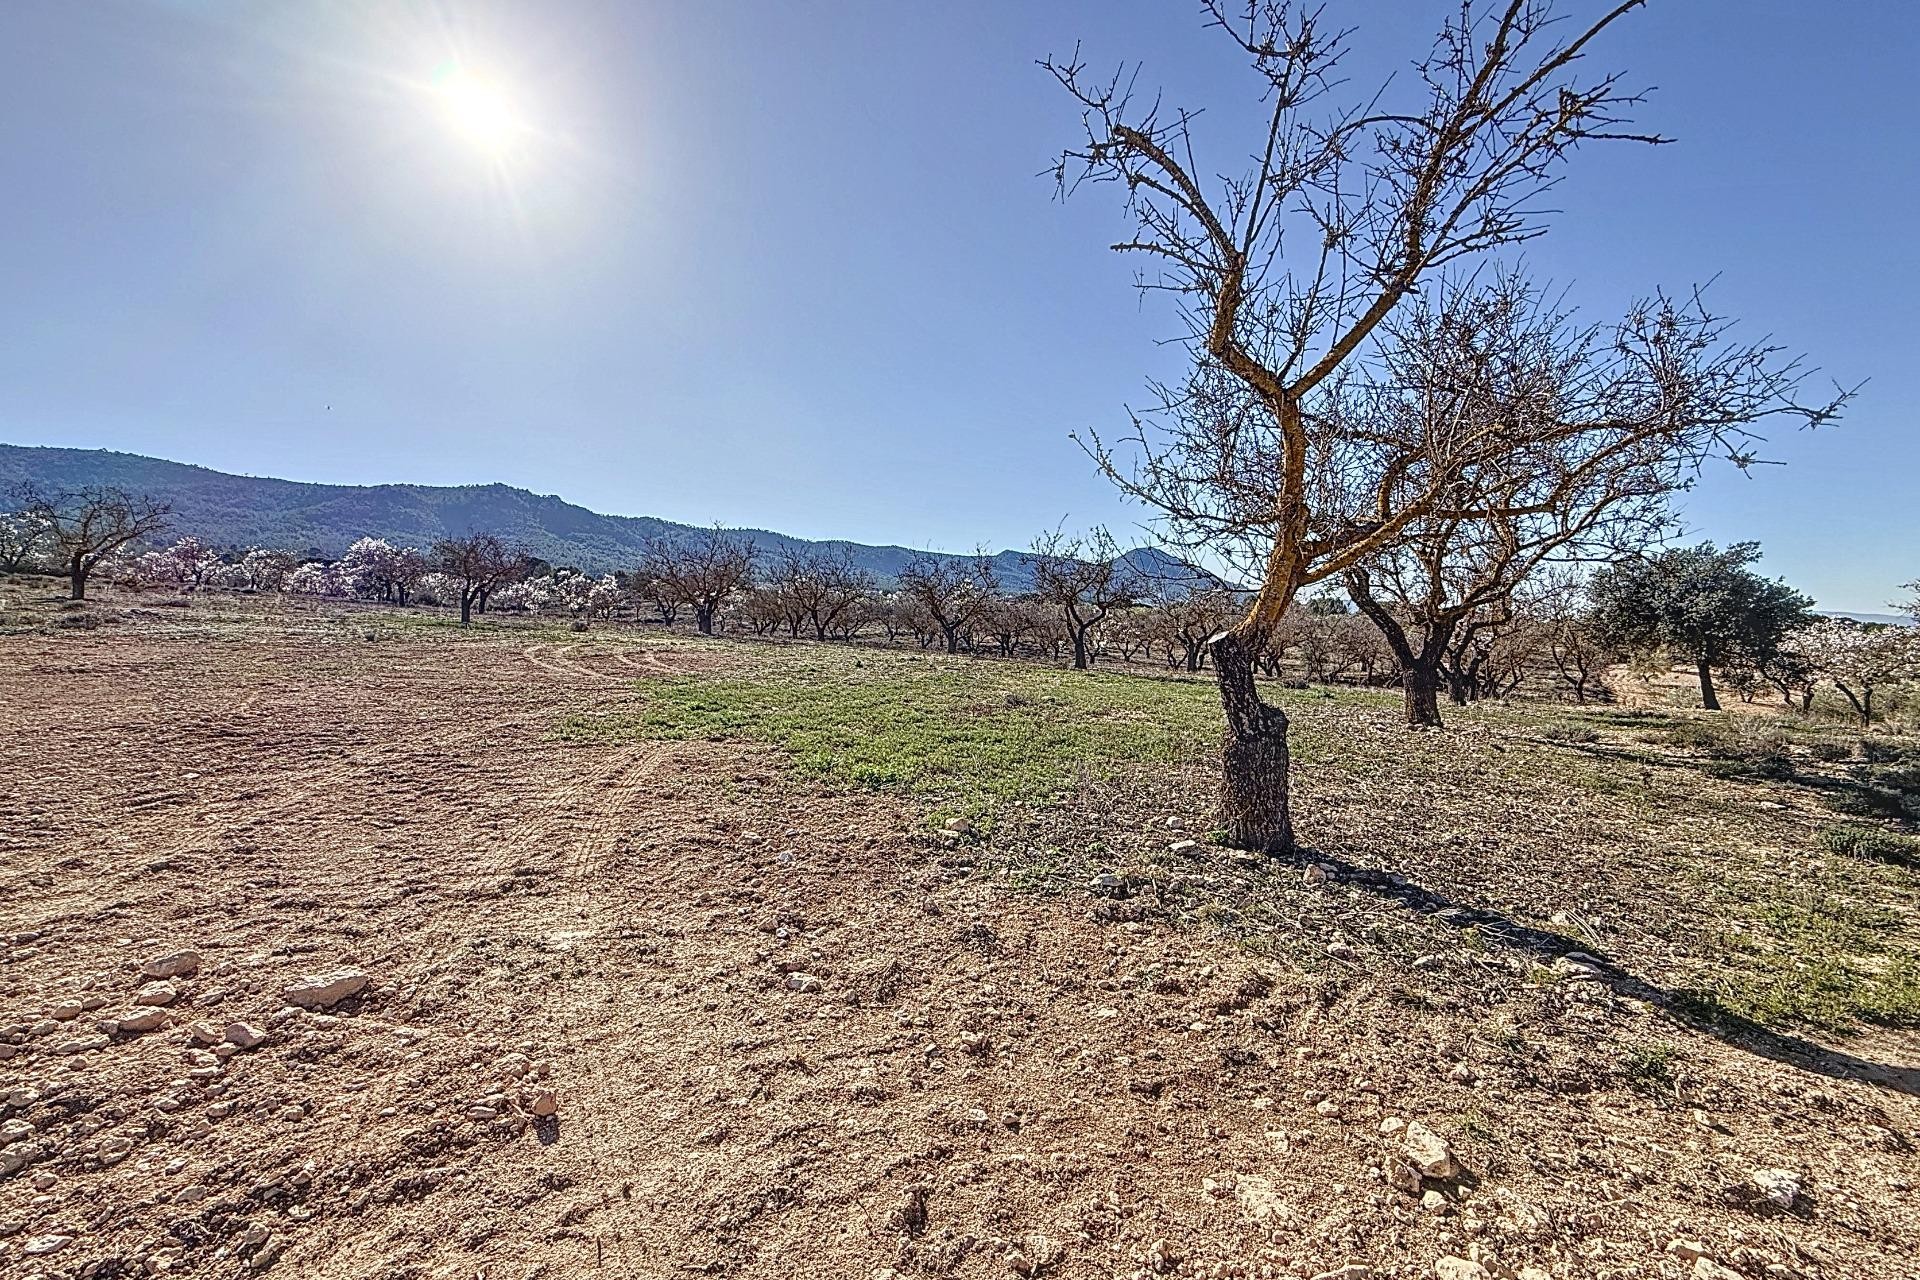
794	266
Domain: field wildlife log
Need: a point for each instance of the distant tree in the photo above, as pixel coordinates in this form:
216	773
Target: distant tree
951	591
1011	621
1085	579
87	525
865	610
187	565
1573	646
262	569
23	541
645	585
1862	659
700	571
477	564
765	610
382	571
1191	616
1700	604
818	586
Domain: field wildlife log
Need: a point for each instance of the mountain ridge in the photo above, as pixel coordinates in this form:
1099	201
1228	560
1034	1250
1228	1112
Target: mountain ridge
231	512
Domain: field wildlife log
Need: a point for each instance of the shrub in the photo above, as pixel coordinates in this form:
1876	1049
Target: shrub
1856	841
1831	752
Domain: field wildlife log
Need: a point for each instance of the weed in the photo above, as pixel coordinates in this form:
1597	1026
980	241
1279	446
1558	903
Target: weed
1856	841
1650	1064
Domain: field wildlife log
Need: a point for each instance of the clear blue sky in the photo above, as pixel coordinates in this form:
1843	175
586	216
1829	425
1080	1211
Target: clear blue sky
789	265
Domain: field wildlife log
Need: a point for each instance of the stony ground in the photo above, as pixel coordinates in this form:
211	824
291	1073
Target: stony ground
326	955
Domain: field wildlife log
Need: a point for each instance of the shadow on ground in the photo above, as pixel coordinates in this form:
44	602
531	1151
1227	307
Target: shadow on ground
1685	1008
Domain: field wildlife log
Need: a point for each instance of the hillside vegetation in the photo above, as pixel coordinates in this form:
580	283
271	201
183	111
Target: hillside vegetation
320	521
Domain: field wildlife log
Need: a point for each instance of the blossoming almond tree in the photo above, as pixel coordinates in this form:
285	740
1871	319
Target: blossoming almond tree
1862	660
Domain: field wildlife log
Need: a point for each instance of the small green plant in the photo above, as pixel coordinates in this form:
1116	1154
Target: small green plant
1831	752
1568	731
1855	841
1650	1064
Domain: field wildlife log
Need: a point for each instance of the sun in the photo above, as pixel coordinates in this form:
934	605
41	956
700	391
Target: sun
479	110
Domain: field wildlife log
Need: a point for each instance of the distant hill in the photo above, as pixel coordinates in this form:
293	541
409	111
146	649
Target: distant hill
320	520
1881	619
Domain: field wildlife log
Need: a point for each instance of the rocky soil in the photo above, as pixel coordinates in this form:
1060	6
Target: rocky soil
327	957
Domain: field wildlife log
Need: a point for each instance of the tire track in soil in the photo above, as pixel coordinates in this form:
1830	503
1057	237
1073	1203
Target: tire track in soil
593	1101
560	662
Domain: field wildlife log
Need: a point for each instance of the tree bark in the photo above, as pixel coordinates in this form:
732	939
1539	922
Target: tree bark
1419	672
1861	707
1707	698
1421	679
1079	649
703	618
1253	759
77	578
466	608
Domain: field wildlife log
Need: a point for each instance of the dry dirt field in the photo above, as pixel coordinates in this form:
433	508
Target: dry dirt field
788	1027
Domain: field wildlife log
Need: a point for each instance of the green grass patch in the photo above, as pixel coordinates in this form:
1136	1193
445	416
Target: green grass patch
999	731
1820	953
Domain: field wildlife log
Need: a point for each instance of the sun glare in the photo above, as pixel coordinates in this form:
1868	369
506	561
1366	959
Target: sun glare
478	110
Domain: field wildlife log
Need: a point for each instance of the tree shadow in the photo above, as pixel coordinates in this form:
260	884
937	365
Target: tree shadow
1742	1033
1867	790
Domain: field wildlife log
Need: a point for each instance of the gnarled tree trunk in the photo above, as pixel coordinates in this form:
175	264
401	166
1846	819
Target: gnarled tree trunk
1253	763
1419	672
1707	697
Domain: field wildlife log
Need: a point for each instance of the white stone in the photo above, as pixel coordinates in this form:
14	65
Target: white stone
148	1019
1780	1186
177	965
321	991
83	1044
243	1035
1429	1152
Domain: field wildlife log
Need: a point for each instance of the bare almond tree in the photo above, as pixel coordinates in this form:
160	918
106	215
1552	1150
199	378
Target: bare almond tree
481	563
1190	616
1599	426
819	586
1010	620
1085	579
1285	269
951	591
701	570
85	526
